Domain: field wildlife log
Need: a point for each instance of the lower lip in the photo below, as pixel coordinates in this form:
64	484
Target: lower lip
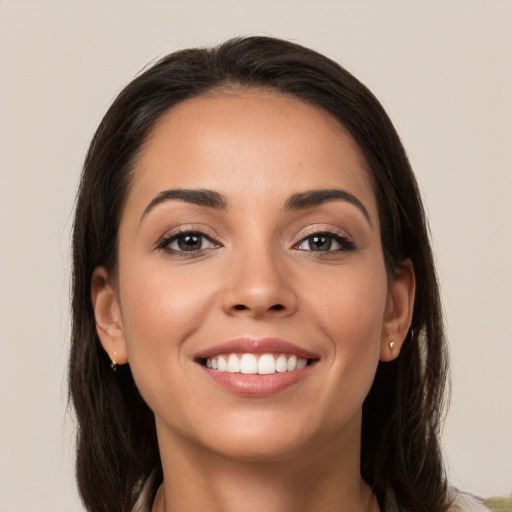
258	385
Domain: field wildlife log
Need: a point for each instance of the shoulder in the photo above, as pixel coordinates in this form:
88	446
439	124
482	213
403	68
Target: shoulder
143	501
464	502
459	502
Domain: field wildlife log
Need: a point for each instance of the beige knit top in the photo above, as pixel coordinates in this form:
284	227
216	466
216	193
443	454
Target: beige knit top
461	502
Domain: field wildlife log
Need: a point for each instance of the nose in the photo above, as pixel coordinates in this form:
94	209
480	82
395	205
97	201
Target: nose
259	284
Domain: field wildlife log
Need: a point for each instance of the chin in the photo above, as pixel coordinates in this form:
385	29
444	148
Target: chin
276	437
259	448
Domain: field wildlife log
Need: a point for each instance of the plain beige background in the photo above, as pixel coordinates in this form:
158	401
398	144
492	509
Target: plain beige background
443	70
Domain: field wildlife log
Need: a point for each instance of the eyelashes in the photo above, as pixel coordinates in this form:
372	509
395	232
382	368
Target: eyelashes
326	241
191	242
187	242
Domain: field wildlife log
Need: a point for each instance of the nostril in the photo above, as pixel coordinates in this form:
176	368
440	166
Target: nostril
243	307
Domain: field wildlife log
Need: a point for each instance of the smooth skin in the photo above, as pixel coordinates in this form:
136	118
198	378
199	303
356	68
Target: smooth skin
253	269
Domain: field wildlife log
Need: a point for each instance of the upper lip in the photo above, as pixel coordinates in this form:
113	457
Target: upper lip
256	346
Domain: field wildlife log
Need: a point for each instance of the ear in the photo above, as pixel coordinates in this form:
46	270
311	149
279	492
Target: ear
108	316
399	309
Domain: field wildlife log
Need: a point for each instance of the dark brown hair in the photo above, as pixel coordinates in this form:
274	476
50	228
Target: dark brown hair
117	446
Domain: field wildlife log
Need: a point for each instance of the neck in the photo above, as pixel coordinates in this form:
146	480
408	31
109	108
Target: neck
321	480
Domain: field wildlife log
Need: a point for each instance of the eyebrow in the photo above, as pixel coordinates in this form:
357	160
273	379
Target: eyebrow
208	198
299	201
310	198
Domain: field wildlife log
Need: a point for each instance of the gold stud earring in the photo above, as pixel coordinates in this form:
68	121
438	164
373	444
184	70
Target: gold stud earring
113	363
392	346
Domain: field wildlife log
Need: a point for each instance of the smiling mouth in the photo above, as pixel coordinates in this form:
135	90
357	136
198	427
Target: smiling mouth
256	364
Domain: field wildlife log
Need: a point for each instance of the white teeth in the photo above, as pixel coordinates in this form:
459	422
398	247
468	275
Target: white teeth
281	363
251	364
301	363
292	363
233	364
266	364
248	364
223	364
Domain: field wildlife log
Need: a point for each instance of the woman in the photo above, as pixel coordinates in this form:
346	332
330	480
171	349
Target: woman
256	317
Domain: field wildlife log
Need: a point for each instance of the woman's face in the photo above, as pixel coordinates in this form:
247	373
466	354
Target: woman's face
250	242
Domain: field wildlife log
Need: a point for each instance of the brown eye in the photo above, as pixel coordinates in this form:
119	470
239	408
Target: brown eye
319	242
324	242
187	242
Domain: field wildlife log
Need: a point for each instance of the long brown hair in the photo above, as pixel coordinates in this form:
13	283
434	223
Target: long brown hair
116	439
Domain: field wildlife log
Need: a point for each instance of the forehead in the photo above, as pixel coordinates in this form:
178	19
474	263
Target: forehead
248	143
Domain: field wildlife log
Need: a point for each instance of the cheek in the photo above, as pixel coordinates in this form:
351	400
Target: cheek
351	316
160	310
354	306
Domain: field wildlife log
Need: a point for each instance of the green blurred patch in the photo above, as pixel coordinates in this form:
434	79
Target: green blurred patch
499	504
